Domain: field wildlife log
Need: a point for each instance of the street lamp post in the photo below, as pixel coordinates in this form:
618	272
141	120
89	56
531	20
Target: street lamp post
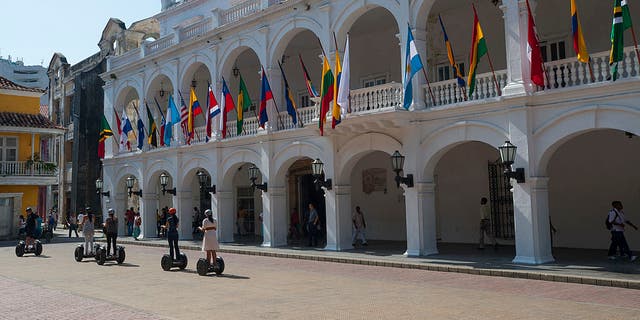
203	178
253	175
99	186
317	168
164	180
508	155
131	180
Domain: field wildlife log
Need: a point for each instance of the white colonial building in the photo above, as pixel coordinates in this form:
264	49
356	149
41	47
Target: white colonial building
576	138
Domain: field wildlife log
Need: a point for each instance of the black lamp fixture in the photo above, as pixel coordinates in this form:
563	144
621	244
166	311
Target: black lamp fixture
317	168
508	155
203	178
131	180
253	175
161	92
194	83
99	185
236	71
164	180
397	163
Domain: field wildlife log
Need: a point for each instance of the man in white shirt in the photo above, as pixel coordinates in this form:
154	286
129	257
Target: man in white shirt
617	220
485	224
359	225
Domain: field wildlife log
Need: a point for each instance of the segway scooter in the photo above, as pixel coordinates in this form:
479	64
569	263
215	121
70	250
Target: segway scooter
22	248
102	257
203	267
79	252
167	263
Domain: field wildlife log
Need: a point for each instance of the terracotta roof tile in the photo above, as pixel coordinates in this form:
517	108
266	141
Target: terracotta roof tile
9	85
24	120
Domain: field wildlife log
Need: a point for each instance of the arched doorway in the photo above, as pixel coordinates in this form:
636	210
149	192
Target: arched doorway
302	191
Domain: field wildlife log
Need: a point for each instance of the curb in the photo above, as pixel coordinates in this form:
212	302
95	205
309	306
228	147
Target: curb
543	276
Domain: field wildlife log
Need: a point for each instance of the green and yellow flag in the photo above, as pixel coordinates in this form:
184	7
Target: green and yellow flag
244	102
478	49
152	139
621	22
105	132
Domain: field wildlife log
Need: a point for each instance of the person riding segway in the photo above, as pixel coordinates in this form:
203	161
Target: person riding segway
212	263
31	245
89	248
111	230
178	259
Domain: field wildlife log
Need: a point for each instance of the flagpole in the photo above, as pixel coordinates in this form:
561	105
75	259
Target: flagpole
274	103
635	42
138	113
284	78
593	78
433	99
495	80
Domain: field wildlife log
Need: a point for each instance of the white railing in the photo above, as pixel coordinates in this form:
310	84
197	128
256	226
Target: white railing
27	168
240	11
448	92
383	97
249	128
570	72
200	134
304	116
126	58
159	44
197	29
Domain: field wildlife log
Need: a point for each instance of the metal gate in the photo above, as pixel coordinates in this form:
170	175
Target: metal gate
501	201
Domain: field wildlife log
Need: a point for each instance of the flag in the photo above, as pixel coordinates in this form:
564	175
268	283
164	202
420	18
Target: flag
533	52
173	117
310	89
335	111
228	105
266	100
344	89
413	63
621	22
326	92
162	122
244	102
184	119
478	49
451	56
119	125
214	110
152	140
125	128
105	132
140	125
292	110
194	111
579	45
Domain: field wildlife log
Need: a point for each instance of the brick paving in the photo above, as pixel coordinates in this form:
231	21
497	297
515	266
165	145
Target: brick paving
260	287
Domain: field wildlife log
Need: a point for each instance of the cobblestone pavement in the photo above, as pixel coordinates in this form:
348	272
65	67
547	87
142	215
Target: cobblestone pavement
257	287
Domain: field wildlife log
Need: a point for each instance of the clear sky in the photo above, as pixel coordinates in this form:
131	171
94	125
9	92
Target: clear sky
32	30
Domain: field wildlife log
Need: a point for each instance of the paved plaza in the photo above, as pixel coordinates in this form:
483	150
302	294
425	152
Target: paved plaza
260	287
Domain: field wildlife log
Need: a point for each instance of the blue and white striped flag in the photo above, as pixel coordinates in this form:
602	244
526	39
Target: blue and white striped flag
412	65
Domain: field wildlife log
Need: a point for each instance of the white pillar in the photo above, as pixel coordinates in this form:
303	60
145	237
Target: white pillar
148	207
184	211
274	217
515	25
421	219
338	213
225	211
119	205
531	208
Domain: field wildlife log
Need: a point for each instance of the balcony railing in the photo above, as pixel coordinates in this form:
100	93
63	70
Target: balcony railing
197	29
448	92
124	59
27	168
570	72
160	44
239	11
383	97
249	128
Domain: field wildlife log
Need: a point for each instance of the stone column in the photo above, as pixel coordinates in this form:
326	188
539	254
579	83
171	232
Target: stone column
515	25
148	207
338	212
531	206
274	218
120	206
275	82
182	202
421	219
226	215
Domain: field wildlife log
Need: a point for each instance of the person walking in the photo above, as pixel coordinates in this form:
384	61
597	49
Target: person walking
618	221
73	224
88	231
172	233
359	226
129	216
51	221
485	224
137	222
111	229
210	239
313	225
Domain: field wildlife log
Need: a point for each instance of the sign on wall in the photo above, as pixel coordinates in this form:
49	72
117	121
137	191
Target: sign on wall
374	179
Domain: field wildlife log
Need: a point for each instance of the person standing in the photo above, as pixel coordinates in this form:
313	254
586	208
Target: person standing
23	225
294	223
73	224
111	229
137	222
313	225
359	226
242	214
88	231
30	227
51	221
129	215
485	224
172	233
210	239
617	220
79	219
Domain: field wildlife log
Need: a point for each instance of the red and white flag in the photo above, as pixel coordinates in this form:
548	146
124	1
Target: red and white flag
533	52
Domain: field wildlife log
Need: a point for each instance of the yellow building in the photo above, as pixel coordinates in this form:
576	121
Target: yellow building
28	168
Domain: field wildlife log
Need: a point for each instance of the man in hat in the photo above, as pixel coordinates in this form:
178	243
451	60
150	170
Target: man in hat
111	230
30	227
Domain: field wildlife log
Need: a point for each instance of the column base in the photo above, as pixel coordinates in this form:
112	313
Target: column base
333	247
533	260
514	89
418	253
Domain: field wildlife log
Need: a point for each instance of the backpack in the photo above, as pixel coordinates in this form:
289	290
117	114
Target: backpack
608	224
